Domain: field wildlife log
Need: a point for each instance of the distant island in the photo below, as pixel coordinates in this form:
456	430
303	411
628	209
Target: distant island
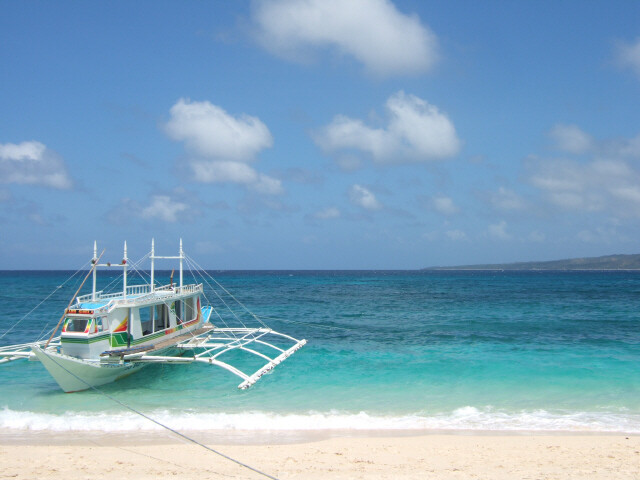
607	262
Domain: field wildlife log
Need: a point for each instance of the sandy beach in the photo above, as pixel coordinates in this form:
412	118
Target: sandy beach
433	456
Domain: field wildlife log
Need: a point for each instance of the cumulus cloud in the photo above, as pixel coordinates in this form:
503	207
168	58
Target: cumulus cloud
608	180
374	32
416	132
364	198
445	206
163	208
327	213
597	185
160	207
506	200
32	163
627	55
214	171
571	139
499	231
209	131
622	148
222	145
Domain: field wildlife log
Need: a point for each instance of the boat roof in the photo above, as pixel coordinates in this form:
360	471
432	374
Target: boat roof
136	295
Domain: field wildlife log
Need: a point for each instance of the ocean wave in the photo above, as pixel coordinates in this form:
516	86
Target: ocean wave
466	418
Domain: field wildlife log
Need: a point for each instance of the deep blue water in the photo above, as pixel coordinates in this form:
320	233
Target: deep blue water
389	349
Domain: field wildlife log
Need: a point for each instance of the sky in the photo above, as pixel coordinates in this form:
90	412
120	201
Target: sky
319	134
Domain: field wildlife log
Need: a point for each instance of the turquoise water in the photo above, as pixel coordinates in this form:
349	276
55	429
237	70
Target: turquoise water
386	350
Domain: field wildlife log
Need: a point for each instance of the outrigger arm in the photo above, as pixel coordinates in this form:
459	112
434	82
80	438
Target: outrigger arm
207	347
23	351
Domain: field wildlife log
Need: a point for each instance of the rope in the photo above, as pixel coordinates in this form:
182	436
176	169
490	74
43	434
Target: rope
160	424
46	298
189	265
132	266
200	269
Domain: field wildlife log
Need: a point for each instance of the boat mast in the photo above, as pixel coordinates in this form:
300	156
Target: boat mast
124	276
94	260
181	257
155	257
153	252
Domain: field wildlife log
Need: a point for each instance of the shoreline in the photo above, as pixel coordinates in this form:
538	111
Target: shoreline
433	456
263	437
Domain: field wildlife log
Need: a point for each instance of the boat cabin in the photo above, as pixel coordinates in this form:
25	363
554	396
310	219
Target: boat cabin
137	316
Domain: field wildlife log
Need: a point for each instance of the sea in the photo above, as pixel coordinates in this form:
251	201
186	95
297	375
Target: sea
401	351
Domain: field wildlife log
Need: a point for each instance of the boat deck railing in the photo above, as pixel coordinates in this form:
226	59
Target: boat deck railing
135	293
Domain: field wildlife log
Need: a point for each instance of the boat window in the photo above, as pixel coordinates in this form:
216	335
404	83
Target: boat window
146	320
161	317
189	313
101	323
76	324
178	310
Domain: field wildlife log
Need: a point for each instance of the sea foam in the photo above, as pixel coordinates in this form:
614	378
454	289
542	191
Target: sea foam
466	418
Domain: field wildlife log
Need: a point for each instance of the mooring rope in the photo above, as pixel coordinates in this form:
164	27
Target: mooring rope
44	300
160	424
190	263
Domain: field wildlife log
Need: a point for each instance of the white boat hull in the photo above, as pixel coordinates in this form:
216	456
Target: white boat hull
74	374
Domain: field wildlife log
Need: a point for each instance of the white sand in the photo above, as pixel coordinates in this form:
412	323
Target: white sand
435	456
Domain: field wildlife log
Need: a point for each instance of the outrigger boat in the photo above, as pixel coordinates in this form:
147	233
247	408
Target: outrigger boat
108	336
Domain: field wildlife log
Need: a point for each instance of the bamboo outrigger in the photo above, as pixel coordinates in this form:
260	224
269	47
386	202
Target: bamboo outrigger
107	336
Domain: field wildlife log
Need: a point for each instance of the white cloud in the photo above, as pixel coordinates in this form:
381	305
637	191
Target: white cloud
596	185
349	163
213	171
162	207
327	213
416	132
209	131
445	206
507	200
32	163
374	32
571	139
623	148
456	235
267	185
627	55
208	171
222	145
499	230
593	176
362	197
159	207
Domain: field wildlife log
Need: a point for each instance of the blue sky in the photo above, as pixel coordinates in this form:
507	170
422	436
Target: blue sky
319	134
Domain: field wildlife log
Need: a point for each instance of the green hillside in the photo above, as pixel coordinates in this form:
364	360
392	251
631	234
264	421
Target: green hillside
608	262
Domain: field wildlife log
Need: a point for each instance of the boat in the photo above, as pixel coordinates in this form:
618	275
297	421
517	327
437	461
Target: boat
107	336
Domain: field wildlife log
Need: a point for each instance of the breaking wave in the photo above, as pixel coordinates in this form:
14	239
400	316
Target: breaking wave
466	418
